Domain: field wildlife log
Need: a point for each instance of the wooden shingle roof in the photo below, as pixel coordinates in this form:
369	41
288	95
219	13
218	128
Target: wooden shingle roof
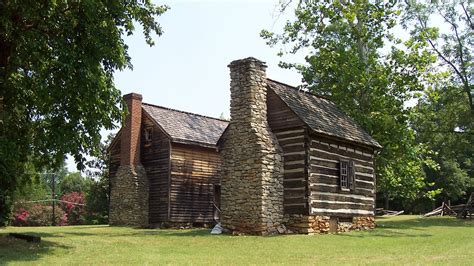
321	115
184	127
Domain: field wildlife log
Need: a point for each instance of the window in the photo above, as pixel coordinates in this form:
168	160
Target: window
148	134
344	167
347	174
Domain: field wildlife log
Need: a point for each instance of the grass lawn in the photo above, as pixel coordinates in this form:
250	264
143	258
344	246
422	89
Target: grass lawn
397	240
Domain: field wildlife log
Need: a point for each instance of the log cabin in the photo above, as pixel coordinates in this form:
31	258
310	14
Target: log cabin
288	161
177	166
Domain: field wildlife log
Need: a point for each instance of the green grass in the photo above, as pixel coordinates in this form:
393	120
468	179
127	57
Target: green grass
398	240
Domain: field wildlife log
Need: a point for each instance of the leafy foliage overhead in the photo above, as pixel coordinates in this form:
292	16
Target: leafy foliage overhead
453	45
353	58
57	60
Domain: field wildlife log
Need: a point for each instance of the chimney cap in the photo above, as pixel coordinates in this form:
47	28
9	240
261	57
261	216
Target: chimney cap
133	95
247	61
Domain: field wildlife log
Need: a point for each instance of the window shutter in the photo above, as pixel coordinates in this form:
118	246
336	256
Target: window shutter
351	174
343	174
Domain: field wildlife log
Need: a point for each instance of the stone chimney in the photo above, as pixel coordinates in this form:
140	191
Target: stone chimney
129	187
252	171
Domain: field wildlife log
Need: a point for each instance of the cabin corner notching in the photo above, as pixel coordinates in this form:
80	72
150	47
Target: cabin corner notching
287	161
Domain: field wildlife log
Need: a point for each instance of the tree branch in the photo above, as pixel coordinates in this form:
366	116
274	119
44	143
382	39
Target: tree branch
458	73
446	132
468	18
460	50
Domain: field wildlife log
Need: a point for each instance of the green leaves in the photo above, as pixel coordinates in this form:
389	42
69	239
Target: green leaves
348	62
57	61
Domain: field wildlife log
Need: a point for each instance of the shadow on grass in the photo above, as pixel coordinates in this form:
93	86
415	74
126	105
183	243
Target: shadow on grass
383	232
16	250
420	223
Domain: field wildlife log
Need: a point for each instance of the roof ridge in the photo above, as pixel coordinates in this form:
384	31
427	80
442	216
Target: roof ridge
296	89
184	112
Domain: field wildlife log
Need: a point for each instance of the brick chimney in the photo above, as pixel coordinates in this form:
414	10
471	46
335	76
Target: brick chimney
129	186
130	138
252	181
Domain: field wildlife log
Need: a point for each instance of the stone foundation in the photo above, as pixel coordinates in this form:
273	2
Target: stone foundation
313	224
129	197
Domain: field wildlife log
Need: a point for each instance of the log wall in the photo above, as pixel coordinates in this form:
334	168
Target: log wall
155	157
292	137
279	115
195	171
295	177
326	196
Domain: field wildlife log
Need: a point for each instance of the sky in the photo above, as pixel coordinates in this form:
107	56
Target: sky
187	69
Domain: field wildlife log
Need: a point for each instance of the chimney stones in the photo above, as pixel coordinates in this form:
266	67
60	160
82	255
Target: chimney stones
252	171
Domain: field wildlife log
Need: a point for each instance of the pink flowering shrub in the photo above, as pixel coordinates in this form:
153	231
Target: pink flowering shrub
38	215
20	217
73	205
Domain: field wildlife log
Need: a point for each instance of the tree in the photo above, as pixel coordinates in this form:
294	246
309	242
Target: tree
74	182
99	195
453	47
445	113
57	60
349	62
443	121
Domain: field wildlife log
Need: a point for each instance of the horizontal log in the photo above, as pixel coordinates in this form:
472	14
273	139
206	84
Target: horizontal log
295	184
296	209
340	205
297	162
324	163
320	195
364	178
330	150
294	175
293	148
291	131
301	193
335	188
333	143
285	141
324	171
292	201
296	157
339	212
195	175
331	155
295	170
191	220
289	134
199	161
299	145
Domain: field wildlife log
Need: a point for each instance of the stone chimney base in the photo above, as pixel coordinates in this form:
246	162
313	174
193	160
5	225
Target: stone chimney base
129	197
252	161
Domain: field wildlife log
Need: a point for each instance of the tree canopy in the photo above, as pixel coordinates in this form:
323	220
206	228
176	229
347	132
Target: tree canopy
355	58
57	60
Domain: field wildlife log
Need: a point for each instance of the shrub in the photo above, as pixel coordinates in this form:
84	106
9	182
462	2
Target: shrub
38	215
20	217
73	205
98	202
